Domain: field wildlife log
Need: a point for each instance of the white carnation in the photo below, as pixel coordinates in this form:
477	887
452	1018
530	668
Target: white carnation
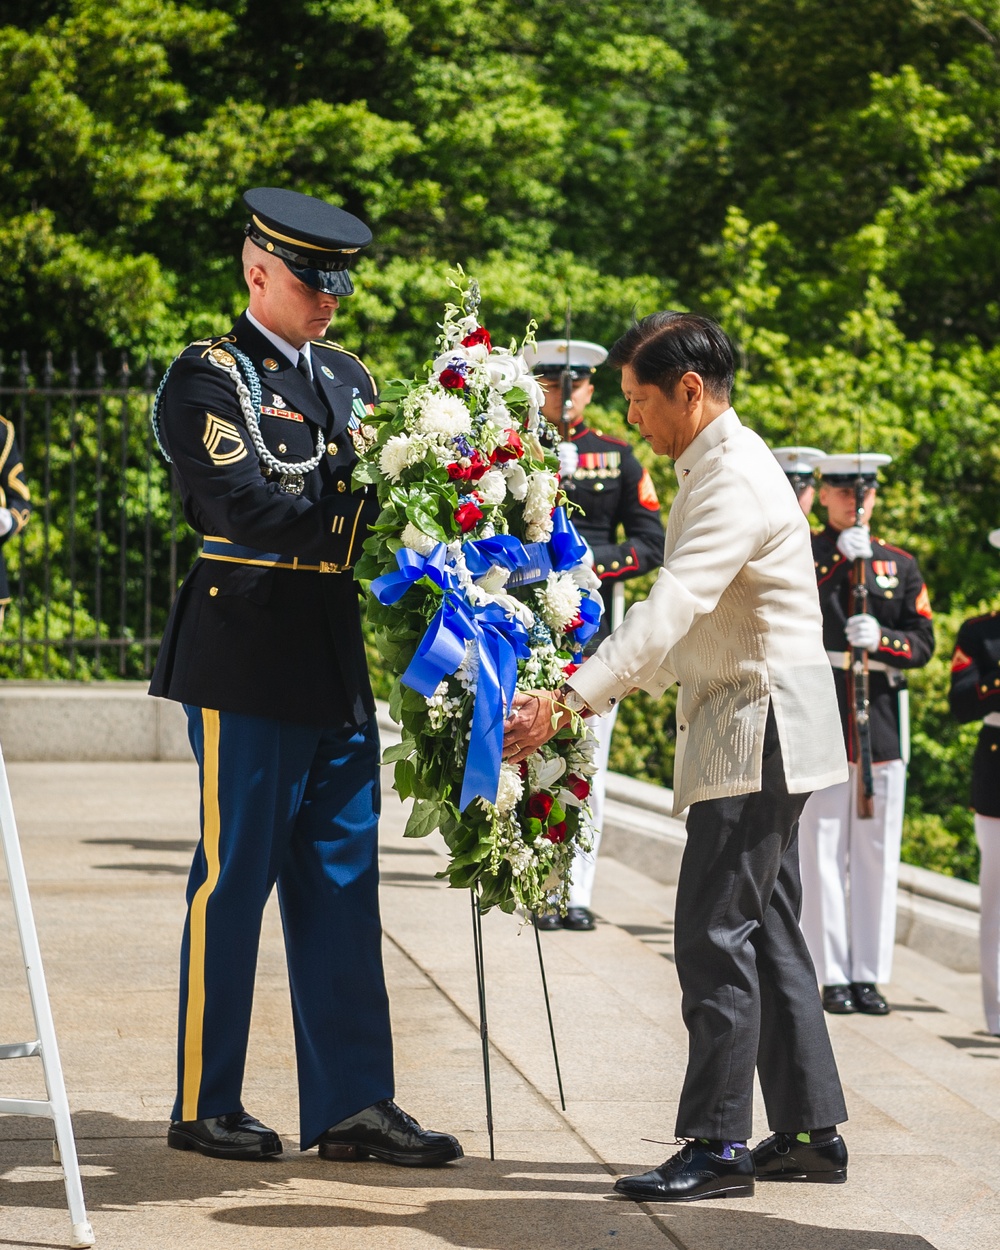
417	540
492	487
443	414
398	454
560	600
510	789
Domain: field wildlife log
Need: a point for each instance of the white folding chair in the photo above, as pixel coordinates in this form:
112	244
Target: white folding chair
56	1106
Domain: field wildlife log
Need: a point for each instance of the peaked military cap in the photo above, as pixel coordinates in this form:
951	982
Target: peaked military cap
798	461
317	241
844	470
549	357
994	538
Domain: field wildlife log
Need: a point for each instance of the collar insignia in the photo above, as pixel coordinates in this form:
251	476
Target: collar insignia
326	371
270	363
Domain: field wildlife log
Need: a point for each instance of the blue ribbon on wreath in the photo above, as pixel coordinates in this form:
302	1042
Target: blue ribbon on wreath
500	642
391	587
566	546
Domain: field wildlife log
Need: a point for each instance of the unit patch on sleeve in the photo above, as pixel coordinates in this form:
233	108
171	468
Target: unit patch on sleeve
222	440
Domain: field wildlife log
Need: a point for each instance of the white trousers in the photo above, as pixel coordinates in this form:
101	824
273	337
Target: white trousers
850	872
581	884
988	837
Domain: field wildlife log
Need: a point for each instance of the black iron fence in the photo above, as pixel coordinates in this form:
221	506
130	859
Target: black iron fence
94	572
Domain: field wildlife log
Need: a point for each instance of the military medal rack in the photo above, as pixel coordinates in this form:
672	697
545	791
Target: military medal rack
56	1106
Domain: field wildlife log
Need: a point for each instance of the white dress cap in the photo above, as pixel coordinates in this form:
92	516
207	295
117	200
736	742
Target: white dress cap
851	464
798	459
995	538
551	354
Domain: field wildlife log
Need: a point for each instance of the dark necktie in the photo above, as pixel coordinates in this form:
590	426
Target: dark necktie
303	368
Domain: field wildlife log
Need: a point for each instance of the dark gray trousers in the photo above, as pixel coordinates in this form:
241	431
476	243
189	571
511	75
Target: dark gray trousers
749	993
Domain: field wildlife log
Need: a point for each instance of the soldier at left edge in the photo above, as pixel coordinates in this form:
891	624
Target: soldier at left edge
264	649
15	501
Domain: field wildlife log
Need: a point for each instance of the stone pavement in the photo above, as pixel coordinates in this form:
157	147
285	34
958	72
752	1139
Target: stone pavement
107	848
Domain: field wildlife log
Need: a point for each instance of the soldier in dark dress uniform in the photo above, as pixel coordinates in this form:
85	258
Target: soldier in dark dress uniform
621	524
264	649
15	501
975	695
850	866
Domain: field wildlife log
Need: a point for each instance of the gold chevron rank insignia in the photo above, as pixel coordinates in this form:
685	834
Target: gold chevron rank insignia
222	440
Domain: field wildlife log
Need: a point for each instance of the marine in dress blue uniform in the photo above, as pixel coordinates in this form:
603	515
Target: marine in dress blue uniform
621	523
975	696
264	648
849	865
799	465
15	501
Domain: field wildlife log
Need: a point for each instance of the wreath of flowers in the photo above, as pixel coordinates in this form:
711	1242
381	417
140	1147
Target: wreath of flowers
478	587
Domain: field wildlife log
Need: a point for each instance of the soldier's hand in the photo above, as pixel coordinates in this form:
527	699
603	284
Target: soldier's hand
863	631
855	543
569	459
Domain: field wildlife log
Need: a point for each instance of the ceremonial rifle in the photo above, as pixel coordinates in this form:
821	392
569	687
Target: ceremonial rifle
859	669
567	382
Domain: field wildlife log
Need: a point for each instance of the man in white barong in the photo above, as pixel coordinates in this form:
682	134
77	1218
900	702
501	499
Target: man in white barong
733	618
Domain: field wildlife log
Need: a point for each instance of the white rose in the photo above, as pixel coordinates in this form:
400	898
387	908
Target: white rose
493	487
494	579
517	479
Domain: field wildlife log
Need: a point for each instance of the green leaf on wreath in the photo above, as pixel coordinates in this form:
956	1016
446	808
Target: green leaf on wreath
423	819
404	778
401	751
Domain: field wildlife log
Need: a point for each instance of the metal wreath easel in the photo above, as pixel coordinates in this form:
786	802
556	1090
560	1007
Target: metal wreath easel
56	1106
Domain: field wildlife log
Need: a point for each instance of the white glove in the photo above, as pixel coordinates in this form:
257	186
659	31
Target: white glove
6	521
855	543
863	630
569	458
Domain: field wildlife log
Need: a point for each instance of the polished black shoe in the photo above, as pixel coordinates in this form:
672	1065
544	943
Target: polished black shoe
694	1172
580	919
548	920
232	1136
384	1131
839	1000
868	999
782	1157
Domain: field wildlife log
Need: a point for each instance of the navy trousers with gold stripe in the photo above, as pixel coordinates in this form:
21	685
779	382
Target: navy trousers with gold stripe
297	806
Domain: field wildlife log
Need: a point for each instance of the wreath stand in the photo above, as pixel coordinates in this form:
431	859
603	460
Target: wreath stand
55	1107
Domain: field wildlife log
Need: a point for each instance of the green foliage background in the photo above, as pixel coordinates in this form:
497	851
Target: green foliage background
821	176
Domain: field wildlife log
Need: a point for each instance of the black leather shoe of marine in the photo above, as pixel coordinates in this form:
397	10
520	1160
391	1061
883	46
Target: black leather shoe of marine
384	1131
693	1173
581	919
232	1136
868	999
781	1157
839	1000
548	921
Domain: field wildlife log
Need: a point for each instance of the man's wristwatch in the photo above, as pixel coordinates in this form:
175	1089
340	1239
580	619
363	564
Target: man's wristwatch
568	697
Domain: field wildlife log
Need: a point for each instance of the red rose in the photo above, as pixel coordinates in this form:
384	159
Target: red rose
477	467
481	335
452	380
556	833
570	668
539	806
459	472
514	449
579	787
468	516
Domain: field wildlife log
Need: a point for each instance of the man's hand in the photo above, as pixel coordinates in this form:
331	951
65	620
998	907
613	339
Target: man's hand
533	720
863	631
855	543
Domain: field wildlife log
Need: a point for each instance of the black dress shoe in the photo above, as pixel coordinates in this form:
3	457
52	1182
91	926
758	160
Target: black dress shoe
839	1000
868	999
781	1157
386	1132
694	1172
580	919
548	920
232	1136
